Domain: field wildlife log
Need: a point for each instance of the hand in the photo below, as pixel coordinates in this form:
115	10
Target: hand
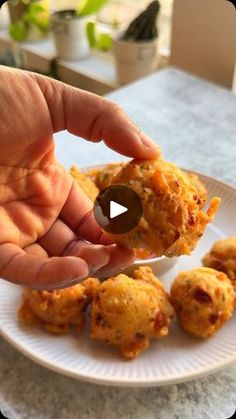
43	213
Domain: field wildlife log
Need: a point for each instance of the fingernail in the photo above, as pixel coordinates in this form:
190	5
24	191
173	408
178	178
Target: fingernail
96	268
70	282
147	141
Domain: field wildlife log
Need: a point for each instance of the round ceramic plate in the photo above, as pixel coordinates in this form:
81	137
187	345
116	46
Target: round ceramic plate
177	358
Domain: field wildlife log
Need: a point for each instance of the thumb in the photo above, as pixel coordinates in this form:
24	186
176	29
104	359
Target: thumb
95	119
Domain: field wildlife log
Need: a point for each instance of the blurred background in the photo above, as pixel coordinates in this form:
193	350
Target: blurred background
99	45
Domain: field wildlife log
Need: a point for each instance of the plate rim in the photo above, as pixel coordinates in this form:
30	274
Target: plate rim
114	382
126	382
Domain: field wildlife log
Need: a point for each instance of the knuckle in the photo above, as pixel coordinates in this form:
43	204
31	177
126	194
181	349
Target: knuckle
115	109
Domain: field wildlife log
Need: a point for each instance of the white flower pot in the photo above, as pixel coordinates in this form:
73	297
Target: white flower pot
134	59
69	32
4	17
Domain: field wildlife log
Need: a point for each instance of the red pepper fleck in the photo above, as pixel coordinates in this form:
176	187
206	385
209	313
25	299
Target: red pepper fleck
191	220
202	296
213	318
160	320
198	199
139	336
99	319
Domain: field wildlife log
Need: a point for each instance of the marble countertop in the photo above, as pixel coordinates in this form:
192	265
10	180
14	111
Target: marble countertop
195	124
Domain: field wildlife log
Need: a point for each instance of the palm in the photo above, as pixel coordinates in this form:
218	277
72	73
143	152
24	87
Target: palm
31	200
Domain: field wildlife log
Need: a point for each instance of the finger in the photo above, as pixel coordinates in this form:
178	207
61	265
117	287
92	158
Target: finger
57	238
36	250
94	118
61	241
120	258
37	272
95	255
77	213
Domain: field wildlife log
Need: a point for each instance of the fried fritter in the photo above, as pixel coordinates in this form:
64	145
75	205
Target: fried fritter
203	300
196	182
173	220
105	174
141	254
60	310
222	257
129	312
85	183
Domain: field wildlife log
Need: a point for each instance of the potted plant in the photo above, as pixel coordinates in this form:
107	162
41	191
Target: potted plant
16	9
69	28
136	49
29	19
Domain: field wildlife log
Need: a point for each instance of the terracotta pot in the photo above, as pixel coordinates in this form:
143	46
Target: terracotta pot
134	59
69	33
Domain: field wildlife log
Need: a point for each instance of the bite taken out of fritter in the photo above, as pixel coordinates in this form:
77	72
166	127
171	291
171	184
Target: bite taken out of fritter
222	257
203	299
129	312
58	311
173	220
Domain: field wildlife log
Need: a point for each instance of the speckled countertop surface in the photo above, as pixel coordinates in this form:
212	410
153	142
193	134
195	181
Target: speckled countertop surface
195	124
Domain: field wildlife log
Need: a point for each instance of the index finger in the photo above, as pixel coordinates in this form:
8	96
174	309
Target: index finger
95	119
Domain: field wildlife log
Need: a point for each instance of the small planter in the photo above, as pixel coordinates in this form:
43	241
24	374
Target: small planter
134	59
29	22
16	11
69	32
4	17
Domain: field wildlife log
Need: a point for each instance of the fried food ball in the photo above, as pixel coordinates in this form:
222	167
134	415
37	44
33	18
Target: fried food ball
105	174
172	221
60	310
128	312
222	257
85	183
203	300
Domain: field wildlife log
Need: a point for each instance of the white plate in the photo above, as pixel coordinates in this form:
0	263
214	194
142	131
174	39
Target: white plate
174	359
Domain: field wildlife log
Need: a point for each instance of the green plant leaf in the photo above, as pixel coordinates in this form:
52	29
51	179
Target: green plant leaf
91	34
18	31
104	42
37	15
90	7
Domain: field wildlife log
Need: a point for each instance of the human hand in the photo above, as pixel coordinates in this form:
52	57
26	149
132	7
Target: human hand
43	213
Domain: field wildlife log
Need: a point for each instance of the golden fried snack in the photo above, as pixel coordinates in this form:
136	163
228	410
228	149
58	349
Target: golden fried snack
222	257
203	300
172	221
105	174
143	254
85	182
60	310
196	182
128	312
